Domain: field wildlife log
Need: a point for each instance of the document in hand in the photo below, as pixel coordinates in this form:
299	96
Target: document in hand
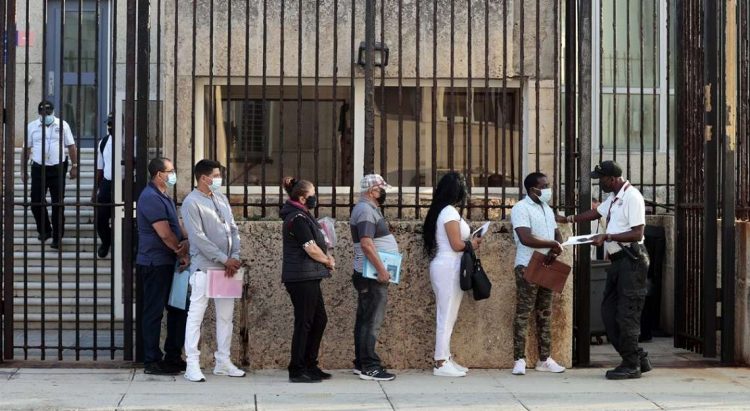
219	286
481	231
579	239
392	263
552	276
178	293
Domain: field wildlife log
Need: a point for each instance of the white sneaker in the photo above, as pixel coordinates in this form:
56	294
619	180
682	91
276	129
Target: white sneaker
549	366
356	371
519	368
193	373
227	368
447	370
458	366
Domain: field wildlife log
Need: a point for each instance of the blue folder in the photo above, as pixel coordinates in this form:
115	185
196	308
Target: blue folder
178	294
392	263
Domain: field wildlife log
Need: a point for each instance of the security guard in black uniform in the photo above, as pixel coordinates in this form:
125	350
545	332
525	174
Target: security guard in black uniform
625	289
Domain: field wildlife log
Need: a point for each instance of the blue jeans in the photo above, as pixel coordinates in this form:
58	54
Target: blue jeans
372	300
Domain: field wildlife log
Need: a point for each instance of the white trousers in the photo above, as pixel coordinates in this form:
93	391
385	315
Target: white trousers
444	276
224	321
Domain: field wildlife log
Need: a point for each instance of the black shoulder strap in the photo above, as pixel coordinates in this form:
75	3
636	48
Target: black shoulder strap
103	144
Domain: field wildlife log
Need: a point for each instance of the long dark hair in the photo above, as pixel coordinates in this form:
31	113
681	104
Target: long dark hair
450	191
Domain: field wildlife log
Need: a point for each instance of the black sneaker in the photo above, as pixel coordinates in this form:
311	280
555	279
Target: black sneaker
320	373
179	365
623	372
44	239
304	378
103	250
645	363
55	244
377	374
160	368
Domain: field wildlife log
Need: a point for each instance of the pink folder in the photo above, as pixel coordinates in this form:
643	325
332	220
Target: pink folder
219	286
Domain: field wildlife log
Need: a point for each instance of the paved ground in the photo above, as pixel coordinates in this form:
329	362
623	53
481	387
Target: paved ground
580	389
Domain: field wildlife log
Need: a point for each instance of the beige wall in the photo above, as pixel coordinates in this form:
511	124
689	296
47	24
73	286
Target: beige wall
482	336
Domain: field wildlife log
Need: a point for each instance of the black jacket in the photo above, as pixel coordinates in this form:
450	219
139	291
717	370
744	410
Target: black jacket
297	265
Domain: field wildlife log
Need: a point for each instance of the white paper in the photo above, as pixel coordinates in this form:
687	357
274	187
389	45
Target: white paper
579	239
481	231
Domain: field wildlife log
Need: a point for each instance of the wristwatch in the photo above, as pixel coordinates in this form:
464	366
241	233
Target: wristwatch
73	165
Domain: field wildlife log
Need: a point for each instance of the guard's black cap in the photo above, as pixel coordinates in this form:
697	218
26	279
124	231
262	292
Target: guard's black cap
606	169
46	107
111	120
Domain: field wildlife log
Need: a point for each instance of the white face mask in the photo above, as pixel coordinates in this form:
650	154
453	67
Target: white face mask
546	195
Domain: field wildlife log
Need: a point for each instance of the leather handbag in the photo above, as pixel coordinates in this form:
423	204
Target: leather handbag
467	267
472	275
552	275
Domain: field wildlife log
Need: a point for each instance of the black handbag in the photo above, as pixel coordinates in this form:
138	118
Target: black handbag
472	275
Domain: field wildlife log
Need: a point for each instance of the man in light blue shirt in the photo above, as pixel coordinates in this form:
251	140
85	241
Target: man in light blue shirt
534	229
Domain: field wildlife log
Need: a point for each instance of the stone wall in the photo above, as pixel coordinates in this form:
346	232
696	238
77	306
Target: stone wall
482	337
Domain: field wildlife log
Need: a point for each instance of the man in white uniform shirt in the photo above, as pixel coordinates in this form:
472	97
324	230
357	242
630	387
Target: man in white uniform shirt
104	171
48	168
625	289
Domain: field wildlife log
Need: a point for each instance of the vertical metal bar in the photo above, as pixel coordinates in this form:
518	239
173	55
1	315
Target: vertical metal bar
452	90
656	86
383	108
571	64
628	116
712	46
159	137
5	167
127	234
433	145
115	143
264	80
97	210
316	126
418	113
213	124
45	93
556	110
228	121
728	264
469	104
282	52
537	79
79	120
486	143
61	183
8	185
26	188
524	83
503	109
299	90
400	112
352	109
245	136
369	163
614	80
642	95
334	108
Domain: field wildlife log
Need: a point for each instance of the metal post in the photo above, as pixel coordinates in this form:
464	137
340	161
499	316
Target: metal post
728	268
8	174
583	259
369	163
711	45
571	67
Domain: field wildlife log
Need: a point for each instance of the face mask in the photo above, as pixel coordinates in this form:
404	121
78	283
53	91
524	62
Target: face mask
311	202
605	186
546	195
171	179
215	184
381	198
48	119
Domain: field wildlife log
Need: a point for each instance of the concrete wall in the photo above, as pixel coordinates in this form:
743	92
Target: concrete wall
482	336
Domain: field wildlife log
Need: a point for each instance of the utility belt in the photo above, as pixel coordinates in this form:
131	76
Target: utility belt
633	251
63	164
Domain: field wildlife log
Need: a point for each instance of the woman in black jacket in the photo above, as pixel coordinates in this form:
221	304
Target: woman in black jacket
306	262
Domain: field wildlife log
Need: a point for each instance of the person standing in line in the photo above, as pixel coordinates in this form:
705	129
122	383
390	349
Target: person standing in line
625	287
104	170
161	244
446	237
214	244
305	264
48	168
534	229
370	234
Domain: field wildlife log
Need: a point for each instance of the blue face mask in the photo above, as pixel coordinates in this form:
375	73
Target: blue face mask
172	179
215	184
48	119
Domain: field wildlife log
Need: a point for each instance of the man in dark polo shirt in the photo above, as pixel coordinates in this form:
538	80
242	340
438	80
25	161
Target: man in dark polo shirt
161	244
371	235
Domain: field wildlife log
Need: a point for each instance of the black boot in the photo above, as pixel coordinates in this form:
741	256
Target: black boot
645	363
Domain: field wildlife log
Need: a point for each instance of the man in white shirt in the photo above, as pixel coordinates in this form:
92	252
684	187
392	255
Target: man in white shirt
534	229
46	138
104	170
625	289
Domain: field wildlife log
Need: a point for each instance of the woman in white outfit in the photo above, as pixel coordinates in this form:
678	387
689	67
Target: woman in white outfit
445	236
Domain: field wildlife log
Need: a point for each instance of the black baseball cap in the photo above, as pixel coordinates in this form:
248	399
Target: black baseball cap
606	169
46	107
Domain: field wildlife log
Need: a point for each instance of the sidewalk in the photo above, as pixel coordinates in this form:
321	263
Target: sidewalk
579	389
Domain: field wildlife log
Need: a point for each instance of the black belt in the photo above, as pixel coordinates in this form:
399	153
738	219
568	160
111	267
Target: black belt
35	164
617	256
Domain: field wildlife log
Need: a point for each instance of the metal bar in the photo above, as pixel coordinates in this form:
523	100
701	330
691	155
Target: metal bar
628	119
228	129
418	114
614	80
369	163
299	91
486	129
571	45
469	103
713	44
127	234
316	126
334	107
281	99
25	190
433	119
212	103
556	110
383	108
61	182
640	100
352	109
245	132
45	93
97	210
656	128
115	143
524	84
9	150
264	80
193	63
537	75
729	120
452	91
502	110
583	261
79	120
400	111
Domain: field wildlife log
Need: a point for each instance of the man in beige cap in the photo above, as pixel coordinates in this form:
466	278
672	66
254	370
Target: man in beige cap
371	235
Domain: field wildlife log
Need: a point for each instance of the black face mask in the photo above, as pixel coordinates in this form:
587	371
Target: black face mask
311	202
381	198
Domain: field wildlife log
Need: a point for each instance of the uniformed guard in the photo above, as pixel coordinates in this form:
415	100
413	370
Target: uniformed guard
48	168
625	289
